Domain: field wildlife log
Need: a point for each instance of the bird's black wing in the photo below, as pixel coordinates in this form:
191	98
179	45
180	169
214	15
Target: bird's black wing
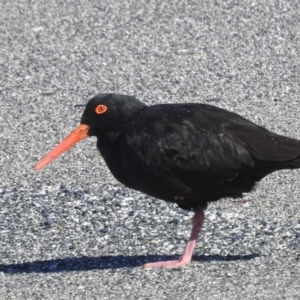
187	141
202	149
204	141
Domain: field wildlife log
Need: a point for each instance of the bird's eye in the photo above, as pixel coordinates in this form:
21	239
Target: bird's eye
100	109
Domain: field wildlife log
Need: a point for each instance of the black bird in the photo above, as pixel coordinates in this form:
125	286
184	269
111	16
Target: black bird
190	154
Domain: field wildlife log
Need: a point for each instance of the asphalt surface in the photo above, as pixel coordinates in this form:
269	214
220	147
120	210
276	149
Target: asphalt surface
71	231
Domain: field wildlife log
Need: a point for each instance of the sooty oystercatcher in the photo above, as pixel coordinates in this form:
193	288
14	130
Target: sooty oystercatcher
190	154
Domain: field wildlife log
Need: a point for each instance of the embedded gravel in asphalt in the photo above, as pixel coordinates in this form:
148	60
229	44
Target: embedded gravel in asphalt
71	231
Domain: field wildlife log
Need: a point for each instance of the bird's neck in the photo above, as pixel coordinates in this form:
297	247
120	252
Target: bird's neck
106	144
108	138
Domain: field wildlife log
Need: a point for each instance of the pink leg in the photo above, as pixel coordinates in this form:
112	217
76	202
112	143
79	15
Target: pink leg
185	259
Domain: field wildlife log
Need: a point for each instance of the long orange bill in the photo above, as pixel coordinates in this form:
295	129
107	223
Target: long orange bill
77	135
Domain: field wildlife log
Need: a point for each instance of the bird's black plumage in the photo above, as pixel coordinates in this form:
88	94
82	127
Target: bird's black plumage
189	153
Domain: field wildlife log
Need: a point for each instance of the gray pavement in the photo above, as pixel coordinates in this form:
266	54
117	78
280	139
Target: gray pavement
71	231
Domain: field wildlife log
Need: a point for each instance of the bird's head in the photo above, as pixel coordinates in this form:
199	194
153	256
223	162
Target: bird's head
105	114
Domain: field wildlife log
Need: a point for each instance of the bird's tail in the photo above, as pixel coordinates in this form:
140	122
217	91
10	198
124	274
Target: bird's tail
270	147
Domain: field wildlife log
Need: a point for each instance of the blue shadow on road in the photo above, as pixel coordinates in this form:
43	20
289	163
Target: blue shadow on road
104	262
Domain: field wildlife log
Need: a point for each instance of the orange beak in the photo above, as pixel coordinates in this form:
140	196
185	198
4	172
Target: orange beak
77	135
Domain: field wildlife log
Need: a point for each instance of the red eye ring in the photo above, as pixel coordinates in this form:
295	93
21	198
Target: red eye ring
100	109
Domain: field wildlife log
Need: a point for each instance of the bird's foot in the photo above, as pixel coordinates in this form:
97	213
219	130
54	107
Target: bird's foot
181	262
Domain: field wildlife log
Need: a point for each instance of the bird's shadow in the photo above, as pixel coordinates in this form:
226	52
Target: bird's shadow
105	262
